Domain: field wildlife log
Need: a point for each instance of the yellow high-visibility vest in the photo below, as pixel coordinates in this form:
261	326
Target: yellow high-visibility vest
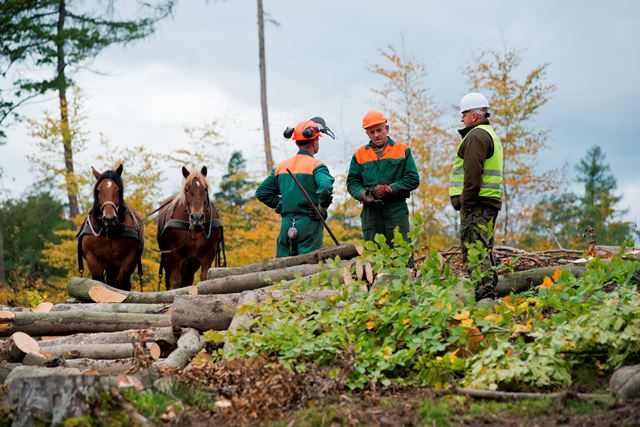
491	173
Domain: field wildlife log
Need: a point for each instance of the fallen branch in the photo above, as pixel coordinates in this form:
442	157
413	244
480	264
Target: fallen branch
522	281
509	395
99	351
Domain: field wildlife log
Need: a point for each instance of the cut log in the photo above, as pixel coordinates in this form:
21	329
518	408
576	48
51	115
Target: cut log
114	308
344	251
79	287
65	323
103	366
162	336
249	281
104	295
18	345
522	281
189	344
204	312
98	351
43	307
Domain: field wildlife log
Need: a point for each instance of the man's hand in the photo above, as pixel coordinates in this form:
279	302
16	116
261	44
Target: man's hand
367	198
381	191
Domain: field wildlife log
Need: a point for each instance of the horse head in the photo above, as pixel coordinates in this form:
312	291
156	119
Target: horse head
108	200
195	191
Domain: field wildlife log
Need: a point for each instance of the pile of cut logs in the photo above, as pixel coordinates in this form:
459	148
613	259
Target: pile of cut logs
108	334
106	331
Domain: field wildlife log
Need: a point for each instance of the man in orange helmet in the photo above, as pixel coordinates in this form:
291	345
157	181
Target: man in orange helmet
382	175
300	229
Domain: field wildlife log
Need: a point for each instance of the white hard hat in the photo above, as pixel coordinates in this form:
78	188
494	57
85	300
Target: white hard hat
473	100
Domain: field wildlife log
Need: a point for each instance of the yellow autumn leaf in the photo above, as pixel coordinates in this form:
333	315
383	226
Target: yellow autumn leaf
462	316
371	323
493	317
467	323
448	305
406	321
523	305
387	351
383	300
557	274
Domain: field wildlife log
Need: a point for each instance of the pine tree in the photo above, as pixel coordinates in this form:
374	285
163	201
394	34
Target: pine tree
235	184
51	37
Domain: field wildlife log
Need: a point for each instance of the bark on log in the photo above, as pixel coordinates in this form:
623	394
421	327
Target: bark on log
65	323
95	351
104	366
204	312
189	344
114	308
344	251
54	398
17	346
39	371
162	336
249	281
522	281
79	287
239	320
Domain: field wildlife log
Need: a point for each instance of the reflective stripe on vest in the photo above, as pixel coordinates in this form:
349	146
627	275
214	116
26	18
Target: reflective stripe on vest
491	173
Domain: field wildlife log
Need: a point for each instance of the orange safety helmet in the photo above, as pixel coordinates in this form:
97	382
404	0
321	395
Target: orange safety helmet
308	130
373	118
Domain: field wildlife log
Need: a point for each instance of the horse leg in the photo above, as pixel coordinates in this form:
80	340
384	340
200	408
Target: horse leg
205	265
175	279
189	268
95	267
127	266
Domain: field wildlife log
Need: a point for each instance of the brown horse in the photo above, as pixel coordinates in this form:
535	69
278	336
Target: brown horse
111	238
190	234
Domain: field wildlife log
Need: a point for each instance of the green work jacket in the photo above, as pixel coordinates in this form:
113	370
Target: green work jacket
396	167
312	174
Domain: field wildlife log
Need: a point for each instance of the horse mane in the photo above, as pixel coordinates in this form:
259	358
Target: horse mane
117	179
181	197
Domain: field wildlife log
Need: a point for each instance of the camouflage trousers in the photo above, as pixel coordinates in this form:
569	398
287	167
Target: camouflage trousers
470	233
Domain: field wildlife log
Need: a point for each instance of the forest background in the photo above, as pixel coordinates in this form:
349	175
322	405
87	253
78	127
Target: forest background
177	84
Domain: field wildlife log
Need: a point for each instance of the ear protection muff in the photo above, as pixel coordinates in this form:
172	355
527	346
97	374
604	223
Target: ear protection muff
288	132
309	132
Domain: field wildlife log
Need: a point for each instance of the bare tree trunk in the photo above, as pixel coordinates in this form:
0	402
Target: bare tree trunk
2	278
64	117
263	89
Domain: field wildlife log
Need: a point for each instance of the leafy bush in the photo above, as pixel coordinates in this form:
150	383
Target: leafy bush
416	329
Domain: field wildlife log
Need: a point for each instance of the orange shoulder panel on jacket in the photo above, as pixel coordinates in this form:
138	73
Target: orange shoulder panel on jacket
365	155
395	151
298	164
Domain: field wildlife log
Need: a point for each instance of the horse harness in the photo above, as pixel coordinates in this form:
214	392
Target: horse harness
216	223
87	229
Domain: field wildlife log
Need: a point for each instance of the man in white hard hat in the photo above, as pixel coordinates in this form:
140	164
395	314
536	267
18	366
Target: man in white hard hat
475	185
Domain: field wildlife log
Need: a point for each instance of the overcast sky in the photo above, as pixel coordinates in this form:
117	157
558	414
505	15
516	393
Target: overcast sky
202	63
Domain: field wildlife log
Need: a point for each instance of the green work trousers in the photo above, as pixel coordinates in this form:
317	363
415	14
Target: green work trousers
383	219
470	233
309	236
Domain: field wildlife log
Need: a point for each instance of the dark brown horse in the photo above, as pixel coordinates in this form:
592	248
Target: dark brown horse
190	234
111	238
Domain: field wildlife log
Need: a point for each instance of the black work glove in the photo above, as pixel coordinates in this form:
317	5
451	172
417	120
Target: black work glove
367	198
278	208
